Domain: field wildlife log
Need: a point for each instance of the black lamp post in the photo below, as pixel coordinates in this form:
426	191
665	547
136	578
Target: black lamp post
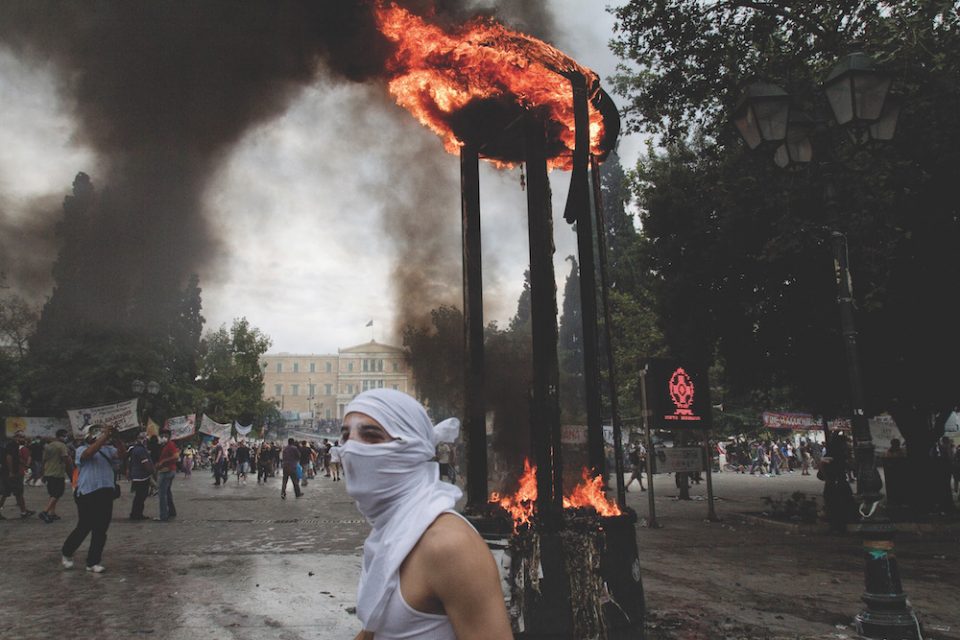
857	93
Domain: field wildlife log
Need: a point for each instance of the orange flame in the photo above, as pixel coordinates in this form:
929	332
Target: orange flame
435	74
520	505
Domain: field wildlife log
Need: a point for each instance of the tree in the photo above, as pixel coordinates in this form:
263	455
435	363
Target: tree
570	350
17	321
230	373
435	354
740	249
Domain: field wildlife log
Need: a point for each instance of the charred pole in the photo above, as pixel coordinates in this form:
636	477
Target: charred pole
579	211
545	407
473	376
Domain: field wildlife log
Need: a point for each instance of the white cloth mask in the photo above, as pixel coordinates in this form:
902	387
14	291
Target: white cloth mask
397	488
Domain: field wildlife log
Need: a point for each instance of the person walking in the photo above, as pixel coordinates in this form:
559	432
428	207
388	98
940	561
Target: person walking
97	462
56	466
219	463
141	469
12	470
243	461
335	461
636	457
188	458
290	458
166	472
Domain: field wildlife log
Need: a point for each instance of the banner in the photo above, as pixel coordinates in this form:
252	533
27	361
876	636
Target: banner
36	427
181	426
243	430
215	429
795	421
122	416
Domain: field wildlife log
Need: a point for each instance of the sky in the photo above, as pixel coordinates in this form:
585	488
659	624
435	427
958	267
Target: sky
306	203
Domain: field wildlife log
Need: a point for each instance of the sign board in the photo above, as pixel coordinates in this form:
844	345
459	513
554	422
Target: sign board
122	416
36	427
678	394
624	434
882	430
212	428
678	459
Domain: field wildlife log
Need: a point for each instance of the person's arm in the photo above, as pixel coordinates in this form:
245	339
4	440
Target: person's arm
167	455
364	635
465	579
99	442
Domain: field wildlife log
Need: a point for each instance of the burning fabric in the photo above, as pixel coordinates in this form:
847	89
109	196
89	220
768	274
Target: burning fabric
469	84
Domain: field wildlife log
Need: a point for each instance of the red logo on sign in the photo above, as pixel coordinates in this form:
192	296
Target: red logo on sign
681	392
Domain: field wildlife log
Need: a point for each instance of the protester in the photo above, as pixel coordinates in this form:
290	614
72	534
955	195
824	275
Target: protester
166	472
335	461
426	572
305	457
140	470
941	462
188	458
264	462
94	494
636	457
36	461
290	460
11	475
837	497
243	461
56	466
325	452
219	463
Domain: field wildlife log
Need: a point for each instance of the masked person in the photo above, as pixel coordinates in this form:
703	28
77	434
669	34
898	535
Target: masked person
426	572
141	470
166	472
97	462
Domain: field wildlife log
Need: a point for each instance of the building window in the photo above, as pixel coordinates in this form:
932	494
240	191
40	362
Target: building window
294	389
313	367
328	389
328	367
396	387
350	367
279	367
278	390
349	388
313	390
328	414
396	366
296	367
366	365
380	384
379	365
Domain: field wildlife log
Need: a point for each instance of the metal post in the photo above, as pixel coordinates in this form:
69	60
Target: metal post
711	513
887	614
545	409
651	508
607	330
473	375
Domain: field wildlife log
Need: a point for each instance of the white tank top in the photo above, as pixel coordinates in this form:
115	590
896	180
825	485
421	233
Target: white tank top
403	622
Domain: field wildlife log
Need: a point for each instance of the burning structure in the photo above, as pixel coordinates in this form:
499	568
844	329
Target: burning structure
505	97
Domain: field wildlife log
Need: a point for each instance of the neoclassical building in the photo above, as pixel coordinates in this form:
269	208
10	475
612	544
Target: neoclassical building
320	386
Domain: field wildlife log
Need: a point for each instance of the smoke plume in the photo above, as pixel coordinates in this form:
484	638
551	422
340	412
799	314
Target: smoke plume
163	90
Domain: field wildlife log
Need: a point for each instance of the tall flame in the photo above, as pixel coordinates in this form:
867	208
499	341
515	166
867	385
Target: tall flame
521	504
435	74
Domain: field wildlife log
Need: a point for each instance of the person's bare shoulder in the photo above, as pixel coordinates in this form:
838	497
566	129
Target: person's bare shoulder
450	544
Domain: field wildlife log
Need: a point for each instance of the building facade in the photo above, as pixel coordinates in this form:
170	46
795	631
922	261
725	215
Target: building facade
320	386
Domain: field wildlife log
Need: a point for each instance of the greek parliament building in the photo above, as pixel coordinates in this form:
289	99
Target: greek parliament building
309	387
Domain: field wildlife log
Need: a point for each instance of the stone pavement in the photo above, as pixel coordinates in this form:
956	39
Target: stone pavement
240	563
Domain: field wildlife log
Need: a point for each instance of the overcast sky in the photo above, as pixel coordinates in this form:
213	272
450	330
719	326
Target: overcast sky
301	202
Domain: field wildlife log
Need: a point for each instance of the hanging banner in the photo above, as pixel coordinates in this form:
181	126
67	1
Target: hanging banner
122	416
36	427
181	426
243	430
795	421
212	428
678	395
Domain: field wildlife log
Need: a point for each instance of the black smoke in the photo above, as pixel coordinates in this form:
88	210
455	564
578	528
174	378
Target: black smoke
163	90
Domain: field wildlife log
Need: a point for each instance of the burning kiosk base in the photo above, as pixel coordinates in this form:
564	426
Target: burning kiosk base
578	583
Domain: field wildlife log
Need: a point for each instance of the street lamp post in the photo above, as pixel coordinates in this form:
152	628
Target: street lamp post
857	93
139	387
